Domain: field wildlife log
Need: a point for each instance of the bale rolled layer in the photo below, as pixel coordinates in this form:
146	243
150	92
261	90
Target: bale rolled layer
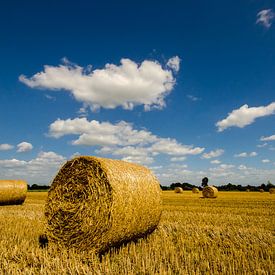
178	190
195	190
12	192
210	192
271	190
95	203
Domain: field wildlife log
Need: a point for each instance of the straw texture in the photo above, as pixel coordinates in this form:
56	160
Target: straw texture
178	190
210	192
195	190
272	190
12	192
96	203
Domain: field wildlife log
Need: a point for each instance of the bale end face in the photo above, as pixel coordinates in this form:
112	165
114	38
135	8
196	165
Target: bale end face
195	190
178	190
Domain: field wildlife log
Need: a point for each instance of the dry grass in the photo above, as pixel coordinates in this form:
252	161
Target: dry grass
12	192
96	203
210	192
232	234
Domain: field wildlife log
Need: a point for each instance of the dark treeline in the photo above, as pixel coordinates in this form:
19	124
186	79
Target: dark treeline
38	187
227	187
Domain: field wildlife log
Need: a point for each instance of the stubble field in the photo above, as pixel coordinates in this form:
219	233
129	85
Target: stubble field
232	234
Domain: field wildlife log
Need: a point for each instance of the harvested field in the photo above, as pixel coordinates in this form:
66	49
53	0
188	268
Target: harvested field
232	234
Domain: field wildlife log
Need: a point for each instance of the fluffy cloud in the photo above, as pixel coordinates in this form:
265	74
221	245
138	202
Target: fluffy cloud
215	161
39	170
127	85
265	18
177	159
265	160
244	116
245	155
120	139
174	63
213	154
270	138
6	147
24	147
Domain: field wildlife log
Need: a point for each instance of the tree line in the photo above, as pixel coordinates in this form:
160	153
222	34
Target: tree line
227	187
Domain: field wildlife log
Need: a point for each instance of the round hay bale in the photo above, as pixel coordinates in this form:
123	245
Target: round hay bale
195	190
261	190
178	190
210	192
247	190
272	190
12	192
95	203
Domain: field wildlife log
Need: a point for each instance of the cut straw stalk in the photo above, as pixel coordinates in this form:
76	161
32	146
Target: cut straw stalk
12	192
96	203
210	192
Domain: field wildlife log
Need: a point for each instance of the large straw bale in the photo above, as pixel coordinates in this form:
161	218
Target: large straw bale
178	190
210	192
272	190
12	192
96	203
195	190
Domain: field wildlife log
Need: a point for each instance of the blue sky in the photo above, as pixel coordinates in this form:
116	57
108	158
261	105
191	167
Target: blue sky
186	88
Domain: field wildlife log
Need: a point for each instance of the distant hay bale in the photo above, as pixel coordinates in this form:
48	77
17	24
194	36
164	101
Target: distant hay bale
178	190
261	190
12	192
272	190
94	204
247	190
195	190
210	192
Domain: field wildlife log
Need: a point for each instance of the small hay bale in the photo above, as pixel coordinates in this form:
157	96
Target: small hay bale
272	190
178	190
210	192
12	192
247	190
95	203
261	190
195	190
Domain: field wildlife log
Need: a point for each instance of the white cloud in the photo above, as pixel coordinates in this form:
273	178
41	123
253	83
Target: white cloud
24	147
6	147
265	18
177	159
245	155
126	85
39	170
120	139
213	154
244	116
262	145
265	160
270	138
193	98
174	63
215	161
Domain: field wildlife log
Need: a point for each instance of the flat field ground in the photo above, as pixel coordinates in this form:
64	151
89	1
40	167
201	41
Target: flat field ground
232	234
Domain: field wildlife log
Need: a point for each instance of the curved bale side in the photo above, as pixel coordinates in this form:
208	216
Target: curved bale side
178	190
95	204
271	190
261	190
210	192
195	190
12	192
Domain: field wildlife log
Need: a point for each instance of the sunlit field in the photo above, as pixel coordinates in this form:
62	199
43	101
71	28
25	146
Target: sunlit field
232	234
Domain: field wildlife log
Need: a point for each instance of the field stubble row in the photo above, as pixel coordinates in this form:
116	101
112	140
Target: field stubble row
233	234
